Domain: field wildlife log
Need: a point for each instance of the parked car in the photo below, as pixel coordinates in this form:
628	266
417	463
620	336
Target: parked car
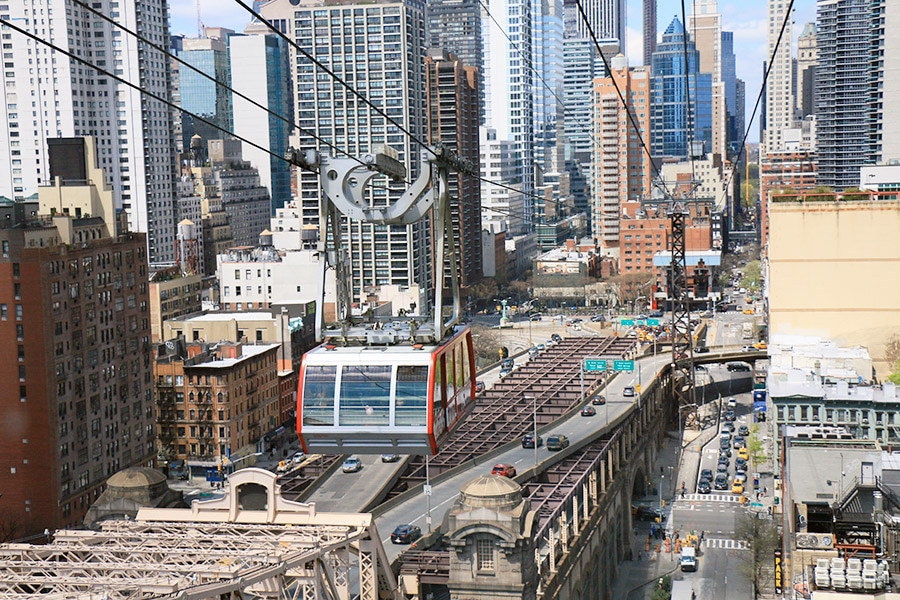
598	400
628	391
504	470
389	458
351	465
479	387
406	534
703	487
557	442
528	441
588	411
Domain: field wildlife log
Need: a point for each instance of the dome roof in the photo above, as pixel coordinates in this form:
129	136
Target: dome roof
136	477
494	491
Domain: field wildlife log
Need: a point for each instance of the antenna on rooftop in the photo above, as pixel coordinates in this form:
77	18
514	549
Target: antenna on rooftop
199	21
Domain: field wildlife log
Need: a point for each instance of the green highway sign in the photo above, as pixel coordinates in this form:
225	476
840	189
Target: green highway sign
653	322
623	365
628	322
641	322
594	364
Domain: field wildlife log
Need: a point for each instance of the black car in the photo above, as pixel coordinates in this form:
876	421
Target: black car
729	415
744	430
703	487
706	474
557	442
389	458
556	338
406	534
528	441
726	452
739	442
598	400
649	513
701	350
735	367
507	363
479	387
588	411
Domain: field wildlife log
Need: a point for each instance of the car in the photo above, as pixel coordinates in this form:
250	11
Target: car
535	316
598	400
656	314
532	352
405	534
721	482
743	453
701	350
549	343
351	465
628	391
740	463
507	363
726	452
389	458
556	338
598	319
703	487
505	372
649	513
504	470
737	487
728	426
588	411
725	435
557	441
297	457
760	345
741	476
479	387
748	349
724	443
738	442
729	415
743	430
706	474
734	367
528	441
541	347
284	466
732	403
749	311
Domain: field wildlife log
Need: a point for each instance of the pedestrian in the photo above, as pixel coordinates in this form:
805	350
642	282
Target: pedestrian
757	496
682	492
765	491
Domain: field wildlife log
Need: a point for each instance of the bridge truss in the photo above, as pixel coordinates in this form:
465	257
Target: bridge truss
216	549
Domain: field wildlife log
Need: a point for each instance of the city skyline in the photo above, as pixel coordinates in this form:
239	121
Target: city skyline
746	20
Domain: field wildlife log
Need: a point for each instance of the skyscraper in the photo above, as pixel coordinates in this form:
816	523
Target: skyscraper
779	108
260	70
884	85
547	79
807	59
681	100
199	95
620	169
606	19
509	91
57	96
842	85
453	108
705	30
378	49
649	14
456	27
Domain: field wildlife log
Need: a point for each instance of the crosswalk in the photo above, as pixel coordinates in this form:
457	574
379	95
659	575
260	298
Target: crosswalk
724	543
709	498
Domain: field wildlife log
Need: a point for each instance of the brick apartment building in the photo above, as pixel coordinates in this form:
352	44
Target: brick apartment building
76	387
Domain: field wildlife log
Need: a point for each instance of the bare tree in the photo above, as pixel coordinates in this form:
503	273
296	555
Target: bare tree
487	343
9	529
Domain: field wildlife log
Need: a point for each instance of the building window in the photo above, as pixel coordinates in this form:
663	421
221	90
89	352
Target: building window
485	554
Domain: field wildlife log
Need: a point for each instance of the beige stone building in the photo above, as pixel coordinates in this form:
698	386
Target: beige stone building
834	271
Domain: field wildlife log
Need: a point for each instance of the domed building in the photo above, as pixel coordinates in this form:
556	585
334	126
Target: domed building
130	490
489	532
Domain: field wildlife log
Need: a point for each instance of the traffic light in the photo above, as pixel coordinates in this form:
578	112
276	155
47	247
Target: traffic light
504	352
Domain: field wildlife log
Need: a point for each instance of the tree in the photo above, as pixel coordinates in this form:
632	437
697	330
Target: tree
663	589
487	343
762	537
632	285
752	279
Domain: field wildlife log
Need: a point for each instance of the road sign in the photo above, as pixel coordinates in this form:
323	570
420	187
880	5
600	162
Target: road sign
640	322
426	489
653	322
623	365
594	364
628	322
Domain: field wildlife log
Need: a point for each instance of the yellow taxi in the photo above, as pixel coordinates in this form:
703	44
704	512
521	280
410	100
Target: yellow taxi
743	453
749	311
760	345
737	487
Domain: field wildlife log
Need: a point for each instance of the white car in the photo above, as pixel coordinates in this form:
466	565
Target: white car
732	403
351	465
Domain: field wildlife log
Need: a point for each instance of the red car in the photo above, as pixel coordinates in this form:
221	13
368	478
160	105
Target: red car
504	470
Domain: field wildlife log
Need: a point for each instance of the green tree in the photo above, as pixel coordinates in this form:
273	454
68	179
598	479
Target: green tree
663	589
762	537
752	279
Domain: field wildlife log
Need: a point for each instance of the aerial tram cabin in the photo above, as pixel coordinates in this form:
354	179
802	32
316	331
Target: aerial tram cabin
400	399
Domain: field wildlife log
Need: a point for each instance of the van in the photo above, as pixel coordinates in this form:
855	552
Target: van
688	558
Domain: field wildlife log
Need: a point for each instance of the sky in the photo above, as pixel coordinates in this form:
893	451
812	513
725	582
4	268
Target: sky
746	18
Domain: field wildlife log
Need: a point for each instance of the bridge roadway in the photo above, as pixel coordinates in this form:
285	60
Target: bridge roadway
580	431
